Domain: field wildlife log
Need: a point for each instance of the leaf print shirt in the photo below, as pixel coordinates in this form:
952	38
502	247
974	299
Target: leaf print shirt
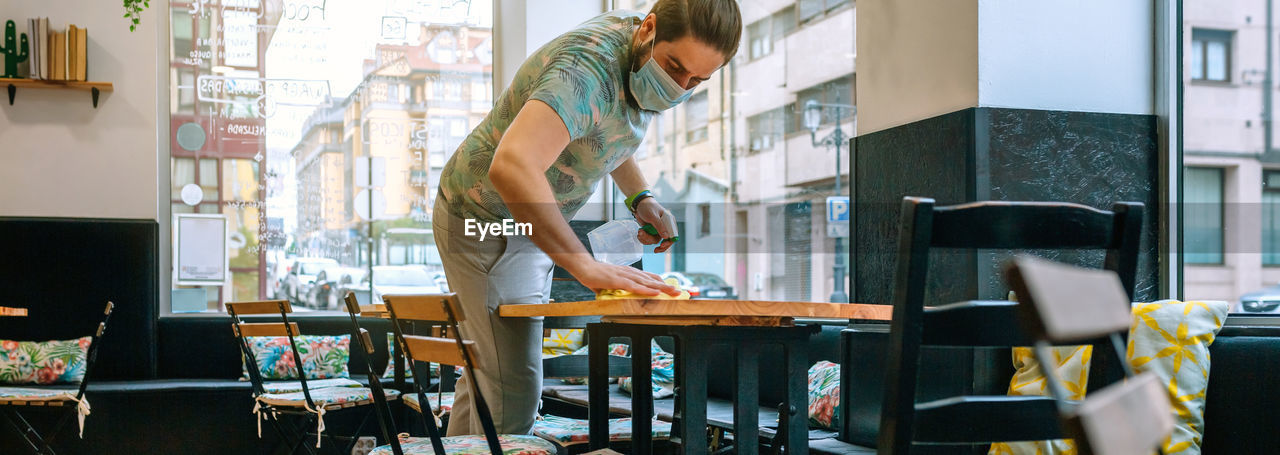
582	76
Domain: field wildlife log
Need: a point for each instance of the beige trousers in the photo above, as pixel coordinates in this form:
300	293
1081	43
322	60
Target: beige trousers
485	274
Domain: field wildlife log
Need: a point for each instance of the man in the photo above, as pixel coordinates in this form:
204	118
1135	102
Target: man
576	110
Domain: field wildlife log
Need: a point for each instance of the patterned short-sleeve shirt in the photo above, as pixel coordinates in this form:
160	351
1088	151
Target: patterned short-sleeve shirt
582	75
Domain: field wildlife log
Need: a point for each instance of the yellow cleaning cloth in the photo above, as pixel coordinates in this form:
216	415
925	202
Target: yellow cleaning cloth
614	294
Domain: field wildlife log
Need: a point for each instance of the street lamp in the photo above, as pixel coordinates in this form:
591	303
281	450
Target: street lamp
837	138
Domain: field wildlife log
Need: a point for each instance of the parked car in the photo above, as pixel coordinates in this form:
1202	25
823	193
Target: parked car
328	291
279	272
1264	300
399	279
703	285
302	276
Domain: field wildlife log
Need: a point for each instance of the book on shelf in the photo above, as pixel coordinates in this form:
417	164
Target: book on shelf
57	55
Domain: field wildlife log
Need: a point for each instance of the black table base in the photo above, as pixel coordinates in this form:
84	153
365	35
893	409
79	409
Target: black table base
693	346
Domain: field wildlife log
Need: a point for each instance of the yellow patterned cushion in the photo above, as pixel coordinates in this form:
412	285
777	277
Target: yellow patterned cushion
1169	338
562	342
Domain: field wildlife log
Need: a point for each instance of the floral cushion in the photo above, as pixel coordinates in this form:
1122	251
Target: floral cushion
1170	338
824	394
323	397
296	386
442	403
473	445
43	362
566	431
562	342
36	394
663	375
323	356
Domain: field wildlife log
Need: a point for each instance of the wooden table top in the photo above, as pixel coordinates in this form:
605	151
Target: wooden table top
677	309
10	311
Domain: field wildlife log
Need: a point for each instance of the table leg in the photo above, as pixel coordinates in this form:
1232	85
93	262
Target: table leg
797	398
746	406
692	411
641	394
598	387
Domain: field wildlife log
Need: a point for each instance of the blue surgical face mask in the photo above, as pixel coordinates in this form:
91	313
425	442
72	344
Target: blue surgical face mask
654	89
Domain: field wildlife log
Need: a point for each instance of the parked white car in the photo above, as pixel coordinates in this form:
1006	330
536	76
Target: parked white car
302	275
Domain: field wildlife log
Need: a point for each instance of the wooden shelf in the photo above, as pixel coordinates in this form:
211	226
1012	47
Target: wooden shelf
94	88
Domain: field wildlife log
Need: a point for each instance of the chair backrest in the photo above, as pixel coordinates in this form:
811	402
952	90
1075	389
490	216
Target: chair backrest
244	330
1064	304
983	225
385	420
446	351
91	356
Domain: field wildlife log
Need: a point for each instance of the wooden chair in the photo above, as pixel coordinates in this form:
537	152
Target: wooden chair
973	419
64	401
305	403
442	398
385	421
1063	304
447	351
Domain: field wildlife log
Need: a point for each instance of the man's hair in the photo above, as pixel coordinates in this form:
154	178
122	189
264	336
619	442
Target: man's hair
717	23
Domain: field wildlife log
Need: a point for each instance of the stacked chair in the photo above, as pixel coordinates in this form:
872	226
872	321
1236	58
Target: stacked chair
293	407
420	350
1063	304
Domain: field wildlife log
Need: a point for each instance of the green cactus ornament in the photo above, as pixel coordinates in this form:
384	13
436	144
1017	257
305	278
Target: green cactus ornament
13	54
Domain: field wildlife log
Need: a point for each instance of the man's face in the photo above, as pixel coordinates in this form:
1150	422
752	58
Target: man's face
687	60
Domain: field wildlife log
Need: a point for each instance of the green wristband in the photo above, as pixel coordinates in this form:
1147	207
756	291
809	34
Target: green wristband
631	199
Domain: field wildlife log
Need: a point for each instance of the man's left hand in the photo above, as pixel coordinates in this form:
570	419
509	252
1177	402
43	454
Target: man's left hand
649	211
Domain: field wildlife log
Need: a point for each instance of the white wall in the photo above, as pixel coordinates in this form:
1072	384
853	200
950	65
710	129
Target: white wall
1082	55
922	58
61	157
916	59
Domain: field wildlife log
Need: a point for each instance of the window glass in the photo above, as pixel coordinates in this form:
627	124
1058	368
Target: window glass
1215	61
318	129
1202	215
1197	59
1230	221
696	111
743	176
1271	218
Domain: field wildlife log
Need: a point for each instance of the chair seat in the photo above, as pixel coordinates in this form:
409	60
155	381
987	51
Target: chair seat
328	398
37	396
473	445
566	431
296	386
442	403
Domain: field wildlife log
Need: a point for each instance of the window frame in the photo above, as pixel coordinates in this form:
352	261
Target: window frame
1211	35
697	133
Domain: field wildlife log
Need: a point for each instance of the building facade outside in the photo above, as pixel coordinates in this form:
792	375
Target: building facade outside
1231	174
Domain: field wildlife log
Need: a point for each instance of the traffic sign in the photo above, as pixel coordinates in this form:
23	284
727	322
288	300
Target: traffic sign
838	230
837	209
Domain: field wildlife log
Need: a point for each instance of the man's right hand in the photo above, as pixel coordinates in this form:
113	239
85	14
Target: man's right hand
602	275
